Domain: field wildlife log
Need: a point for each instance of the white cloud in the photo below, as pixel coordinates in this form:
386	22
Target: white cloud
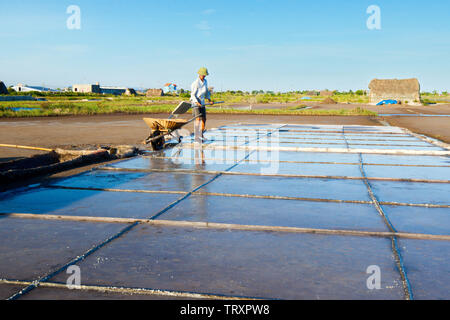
204	26
209	11
71	48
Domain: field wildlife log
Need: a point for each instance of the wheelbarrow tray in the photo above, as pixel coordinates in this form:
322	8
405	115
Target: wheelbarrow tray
165	125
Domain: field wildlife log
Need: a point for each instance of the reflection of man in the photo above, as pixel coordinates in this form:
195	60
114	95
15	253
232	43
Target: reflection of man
200	92
201	207
199	158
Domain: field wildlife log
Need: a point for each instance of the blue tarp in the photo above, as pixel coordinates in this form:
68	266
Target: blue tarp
23	109
387	102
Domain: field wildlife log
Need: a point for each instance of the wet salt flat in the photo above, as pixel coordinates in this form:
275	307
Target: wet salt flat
258	211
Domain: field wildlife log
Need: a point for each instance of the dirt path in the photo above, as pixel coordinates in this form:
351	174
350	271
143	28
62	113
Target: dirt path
435	127
438	109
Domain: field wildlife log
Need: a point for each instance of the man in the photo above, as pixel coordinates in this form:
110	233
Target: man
200	92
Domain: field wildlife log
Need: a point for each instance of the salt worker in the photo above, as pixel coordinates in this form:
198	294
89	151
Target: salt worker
200	92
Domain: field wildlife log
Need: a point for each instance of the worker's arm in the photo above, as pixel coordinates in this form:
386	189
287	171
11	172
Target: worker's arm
208	94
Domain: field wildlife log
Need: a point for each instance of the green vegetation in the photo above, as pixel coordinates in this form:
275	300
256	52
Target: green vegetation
261	97
434	97
42	109
45	109
71	103
301	110
74	103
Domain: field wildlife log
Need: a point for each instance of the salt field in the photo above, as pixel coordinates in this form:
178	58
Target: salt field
257	211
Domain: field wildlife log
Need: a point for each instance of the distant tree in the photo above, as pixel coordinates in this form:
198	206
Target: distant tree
360	92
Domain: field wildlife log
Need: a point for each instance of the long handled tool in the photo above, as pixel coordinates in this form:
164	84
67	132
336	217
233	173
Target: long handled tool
25	147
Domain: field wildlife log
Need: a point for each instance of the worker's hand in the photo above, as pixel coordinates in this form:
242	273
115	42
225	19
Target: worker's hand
211	102
198	104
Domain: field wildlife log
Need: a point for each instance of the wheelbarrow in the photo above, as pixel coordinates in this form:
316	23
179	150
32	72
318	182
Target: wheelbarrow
161	128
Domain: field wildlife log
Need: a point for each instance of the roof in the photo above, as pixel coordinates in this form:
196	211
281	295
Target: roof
396	86
112	87
37	88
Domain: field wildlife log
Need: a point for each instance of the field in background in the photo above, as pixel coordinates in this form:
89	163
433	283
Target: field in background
91	104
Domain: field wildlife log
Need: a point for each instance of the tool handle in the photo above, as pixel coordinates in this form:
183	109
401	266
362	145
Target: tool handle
24	147
205	105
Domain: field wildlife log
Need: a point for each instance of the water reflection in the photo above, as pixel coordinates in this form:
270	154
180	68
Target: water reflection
200	180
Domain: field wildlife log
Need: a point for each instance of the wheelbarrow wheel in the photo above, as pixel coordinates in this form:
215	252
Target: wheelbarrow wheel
157	144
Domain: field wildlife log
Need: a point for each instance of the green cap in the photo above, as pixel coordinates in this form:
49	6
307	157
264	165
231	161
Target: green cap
203	72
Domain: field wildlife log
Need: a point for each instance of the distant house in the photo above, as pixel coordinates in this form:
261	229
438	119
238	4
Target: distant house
25	88
407	91
154	93
96	88
86	88
170	88
113	90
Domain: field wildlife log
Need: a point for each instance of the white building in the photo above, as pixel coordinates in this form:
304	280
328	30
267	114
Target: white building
86	88
96	88
113	90
25	88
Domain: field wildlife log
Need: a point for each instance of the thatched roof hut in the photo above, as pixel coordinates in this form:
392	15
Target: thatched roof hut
3	89
407	91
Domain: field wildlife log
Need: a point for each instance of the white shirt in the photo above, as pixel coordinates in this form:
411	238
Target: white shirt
199	92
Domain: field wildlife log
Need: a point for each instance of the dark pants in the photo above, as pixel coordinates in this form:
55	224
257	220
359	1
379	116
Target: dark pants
199	111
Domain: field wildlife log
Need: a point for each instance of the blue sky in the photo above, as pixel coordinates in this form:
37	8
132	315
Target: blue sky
246	45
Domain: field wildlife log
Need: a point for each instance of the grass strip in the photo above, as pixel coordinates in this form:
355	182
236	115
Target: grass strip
48	109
